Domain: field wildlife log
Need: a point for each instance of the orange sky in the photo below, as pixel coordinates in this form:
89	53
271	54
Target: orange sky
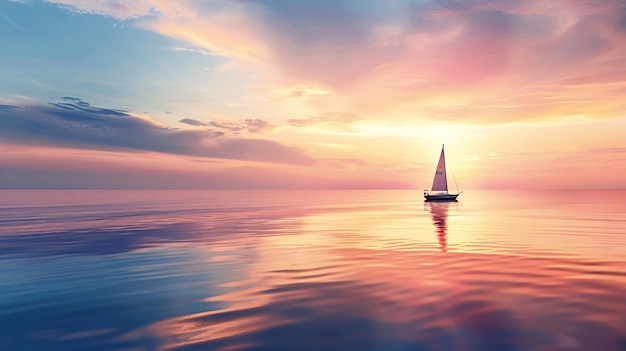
328	94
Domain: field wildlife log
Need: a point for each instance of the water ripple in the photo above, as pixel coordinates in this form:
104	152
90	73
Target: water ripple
329	270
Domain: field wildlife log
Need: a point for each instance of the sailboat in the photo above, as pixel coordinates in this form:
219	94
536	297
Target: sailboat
439	190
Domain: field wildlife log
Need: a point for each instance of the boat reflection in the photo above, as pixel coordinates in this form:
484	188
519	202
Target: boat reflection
439	214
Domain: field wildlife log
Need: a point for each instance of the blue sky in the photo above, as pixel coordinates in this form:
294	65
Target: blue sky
327	93
49	52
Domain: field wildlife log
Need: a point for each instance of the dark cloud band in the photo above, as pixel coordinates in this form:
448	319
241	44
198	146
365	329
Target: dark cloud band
77	124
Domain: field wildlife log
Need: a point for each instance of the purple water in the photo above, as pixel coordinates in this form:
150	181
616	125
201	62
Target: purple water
312	270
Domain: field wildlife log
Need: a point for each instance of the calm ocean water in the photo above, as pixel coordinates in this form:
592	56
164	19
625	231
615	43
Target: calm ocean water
312	270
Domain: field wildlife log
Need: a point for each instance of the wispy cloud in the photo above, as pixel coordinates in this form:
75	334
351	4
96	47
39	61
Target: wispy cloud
413	57
336	146
76	104
299	91
192	50
345	163
250	125
329	118
121	9
31	166
8	108
75	123
12	23
193	122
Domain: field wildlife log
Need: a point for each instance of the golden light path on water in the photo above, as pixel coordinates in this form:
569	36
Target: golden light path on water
355	270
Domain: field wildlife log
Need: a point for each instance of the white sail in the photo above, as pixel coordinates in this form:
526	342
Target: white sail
440	183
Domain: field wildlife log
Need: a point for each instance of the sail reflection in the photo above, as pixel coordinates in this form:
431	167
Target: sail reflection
439	214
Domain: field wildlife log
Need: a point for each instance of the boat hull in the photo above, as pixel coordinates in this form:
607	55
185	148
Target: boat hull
441	197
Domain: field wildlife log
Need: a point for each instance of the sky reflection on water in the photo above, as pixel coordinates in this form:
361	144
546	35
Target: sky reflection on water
366	270
439	213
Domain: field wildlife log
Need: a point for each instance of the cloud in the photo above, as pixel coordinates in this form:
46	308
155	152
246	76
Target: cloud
412	57
14	24
49	167
197	51
345	163
336	145
75	123
74	104
121	9
328	118
193	122
8	108
250	125
299	91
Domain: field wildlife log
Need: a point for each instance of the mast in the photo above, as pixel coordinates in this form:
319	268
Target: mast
440	181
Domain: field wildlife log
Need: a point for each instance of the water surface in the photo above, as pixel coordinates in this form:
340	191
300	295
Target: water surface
312	270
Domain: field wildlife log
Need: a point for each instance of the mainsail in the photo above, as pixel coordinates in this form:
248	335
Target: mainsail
440	183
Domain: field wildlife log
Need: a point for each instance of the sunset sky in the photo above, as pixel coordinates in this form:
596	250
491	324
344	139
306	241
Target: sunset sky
312	94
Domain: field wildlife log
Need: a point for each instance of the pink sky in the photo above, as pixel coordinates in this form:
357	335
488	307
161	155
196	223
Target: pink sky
335	94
